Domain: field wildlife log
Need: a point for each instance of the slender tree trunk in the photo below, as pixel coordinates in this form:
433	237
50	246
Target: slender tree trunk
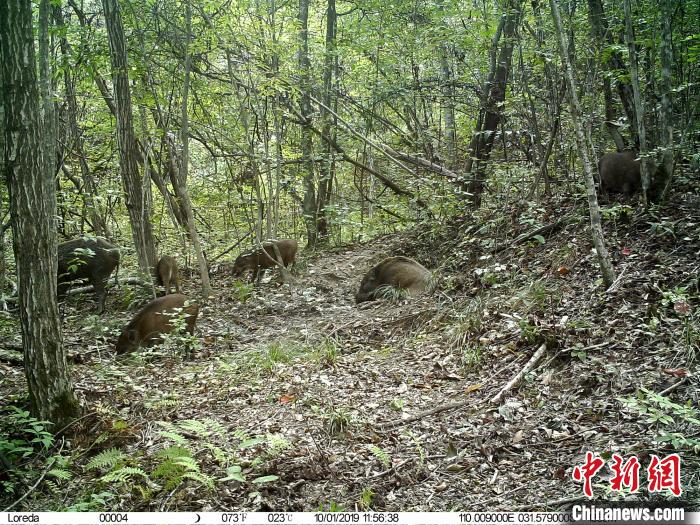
136	202
596	227
325	185
184	164
596	19
31	187
638	103
448	107
664	173
490	114
75	138
309	204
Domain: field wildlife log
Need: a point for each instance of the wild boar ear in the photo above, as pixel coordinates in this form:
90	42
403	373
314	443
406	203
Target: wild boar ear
132	336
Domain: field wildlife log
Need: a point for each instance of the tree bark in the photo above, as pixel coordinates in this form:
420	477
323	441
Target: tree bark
596	227
448	108
598	24
492	108
184	161
309	204
33	209
664	174
638	103
325	184
136	202
75	136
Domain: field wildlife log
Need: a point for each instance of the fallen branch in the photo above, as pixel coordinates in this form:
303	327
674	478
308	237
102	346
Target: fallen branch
519	376
90	288
459	404
673	387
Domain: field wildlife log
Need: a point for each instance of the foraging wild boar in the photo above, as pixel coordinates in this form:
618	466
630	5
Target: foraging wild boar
92	259
166	270
153	320
259	260
619	173
398	272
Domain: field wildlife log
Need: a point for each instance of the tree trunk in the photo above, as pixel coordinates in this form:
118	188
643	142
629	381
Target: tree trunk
664	174
75	138
596	19
596	228
448	108
33	209
136	202
309	203
184	162
492	108
638	103
325	185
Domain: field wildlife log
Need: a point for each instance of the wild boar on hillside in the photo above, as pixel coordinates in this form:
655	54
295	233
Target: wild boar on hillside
93	259
260	259
167	273
154	320
396	272
620	173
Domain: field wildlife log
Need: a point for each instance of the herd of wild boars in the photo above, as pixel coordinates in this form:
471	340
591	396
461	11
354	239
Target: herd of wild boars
95	259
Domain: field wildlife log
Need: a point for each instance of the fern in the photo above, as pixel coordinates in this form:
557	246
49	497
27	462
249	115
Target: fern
220	455
381	455
203	479
123	475
195	427
174	452
216	427
174	436
59	473
106	459
188	463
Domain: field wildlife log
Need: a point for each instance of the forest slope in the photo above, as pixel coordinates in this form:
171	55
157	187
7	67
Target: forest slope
328	398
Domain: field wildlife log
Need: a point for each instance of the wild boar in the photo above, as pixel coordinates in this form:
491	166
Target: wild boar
154	320
93	259
619	173
397	272
258	260
166	270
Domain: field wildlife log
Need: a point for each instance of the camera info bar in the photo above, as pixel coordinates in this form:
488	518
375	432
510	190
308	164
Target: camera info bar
327	518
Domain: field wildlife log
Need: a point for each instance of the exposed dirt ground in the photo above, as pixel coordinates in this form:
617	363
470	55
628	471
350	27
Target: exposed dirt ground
339	392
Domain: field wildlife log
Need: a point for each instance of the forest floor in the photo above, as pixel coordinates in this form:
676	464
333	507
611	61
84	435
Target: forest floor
324	404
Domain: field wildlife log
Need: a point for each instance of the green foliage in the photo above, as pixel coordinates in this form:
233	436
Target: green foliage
338	421
390	293
677	425
107	459
24	440
176	464
381	455
366	498
241	291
